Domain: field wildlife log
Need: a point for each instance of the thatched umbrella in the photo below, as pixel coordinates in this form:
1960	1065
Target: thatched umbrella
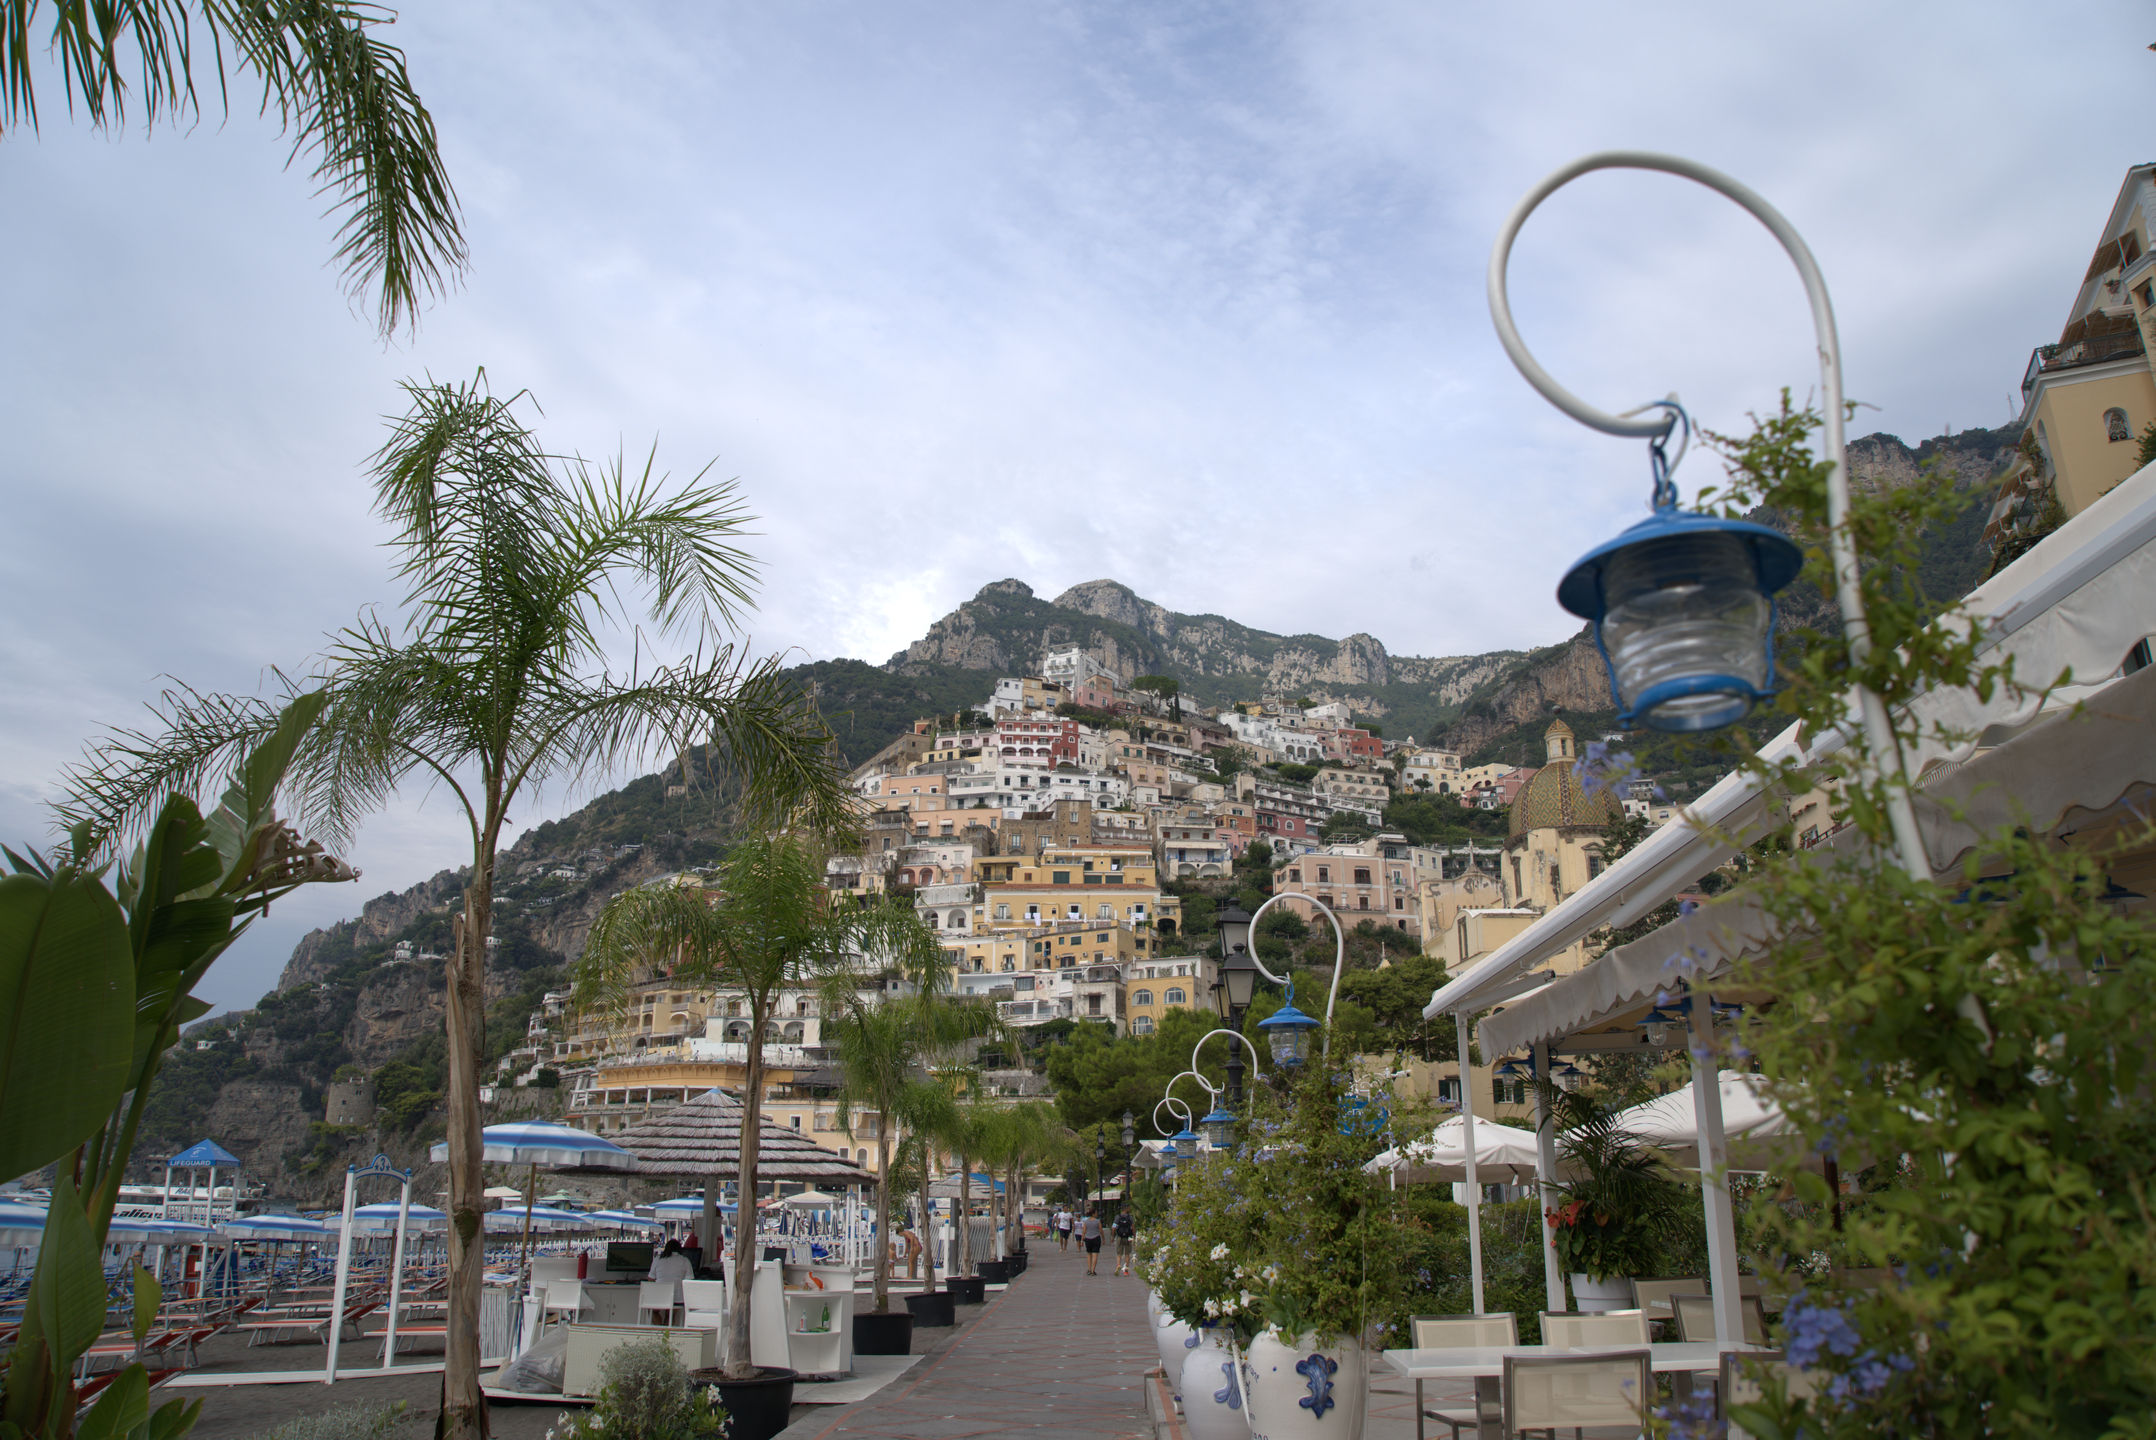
701	1138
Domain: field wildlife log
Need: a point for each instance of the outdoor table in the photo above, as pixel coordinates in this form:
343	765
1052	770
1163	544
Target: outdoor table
1485	1365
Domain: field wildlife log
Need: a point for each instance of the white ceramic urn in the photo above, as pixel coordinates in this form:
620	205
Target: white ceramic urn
1306	1391
1212	1390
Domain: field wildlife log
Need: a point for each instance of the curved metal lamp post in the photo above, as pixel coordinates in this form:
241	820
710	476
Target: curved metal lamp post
1841	547
1339	961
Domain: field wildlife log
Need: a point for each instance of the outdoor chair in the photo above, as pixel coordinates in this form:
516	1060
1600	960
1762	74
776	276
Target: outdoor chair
1739	1382
1440	1332
703	1304
1652	1296
1695	1318
553	1267
658	1296
1605	1327
1548	1392
564	1296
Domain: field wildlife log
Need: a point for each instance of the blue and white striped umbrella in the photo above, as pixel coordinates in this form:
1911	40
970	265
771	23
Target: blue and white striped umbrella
274	1227
542	1143
621	1220
510	1220
685	1205
22	1224
376	1218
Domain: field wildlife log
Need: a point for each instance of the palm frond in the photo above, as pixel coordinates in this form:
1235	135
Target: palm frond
342	93
125	778
679	546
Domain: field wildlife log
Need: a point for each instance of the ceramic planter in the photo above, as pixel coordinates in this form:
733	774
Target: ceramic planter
1305	1391
1212	1390
1170	1337
1591	1294
932	1308
967	1289
885	1332
756	1408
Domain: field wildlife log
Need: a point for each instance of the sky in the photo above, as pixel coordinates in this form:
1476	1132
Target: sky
1190	297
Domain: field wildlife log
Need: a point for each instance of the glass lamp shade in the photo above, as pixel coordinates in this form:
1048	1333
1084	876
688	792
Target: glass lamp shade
1287	1031
1219	1128
1239	975
1684	615
1508	1070
1660	1024
1130	1133
1566	1075
1185	1141
1234	924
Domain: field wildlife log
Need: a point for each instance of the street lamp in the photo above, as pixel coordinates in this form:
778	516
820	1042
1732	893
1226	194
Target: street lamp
1234	924
1100	1156
1219	1128
1287	1031
1677	601
1237	984
1130	1140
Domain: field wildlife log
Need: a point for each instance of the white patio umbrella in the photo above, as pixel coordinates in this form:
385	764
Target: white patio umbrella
1504	1155
537	1143
1754	1125
812	1200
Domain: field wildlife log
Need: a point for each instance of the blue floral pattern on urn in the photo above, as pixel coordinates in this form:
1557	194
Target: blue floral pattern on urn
1232	1396
1318	1371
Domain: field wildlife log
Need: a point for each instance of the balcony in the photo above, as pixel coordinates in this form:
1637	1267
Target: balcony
2096	350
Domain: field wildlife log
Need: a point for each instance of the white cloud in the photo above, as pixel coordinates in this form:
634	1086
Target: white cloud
1190	297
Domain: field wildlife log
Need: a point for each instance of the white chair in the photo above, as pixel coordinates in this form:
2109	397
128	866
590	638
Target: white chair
565	1296
1740	1383
1695	1318
1572	1392
1652	1296
658	1297
1446	1332
704	1304
553	1267
1607	1327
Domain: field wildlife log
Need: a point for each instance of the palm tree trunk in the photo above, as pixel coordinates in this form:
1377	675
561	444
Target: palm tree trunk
928	1211
883	1216
464	1407
964	1265
738	1362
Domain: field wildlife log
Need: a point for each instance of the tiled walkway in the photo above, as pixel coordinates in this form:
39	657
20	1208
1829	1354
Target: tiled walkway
1056	1354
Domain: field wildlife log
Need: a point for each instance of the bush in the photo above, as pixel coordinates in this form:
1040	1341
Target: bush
644	1394
346	1422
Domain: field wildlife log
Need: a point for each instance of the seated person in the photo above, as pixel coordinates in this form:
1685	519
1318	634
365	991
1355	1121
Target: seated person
672	1264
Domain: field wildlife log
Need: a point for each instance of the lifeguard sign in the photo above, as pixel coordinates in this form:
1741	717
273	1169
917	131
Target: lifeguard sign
378	1167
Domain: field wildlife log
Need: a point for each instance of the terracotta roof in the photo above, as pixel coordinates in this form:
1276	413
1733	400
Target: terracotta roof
703	1137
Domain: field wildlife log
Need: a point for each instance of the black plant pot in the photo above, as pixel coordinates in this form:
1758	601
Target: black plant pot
756	1409
930	1310
995	1272
969	1289
883	1332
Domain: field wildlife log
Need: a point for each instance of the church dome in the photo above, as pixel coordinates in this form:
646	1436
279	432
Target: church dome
1553	798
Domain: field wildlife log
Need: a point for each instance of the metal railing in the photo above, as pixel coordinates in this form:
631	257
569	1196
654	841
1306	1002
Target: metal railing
2096	350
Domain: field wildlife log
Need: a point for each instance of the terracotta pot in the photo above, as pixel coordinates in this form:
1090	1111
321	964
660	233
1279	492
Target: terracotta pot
1212	1390
1306	1391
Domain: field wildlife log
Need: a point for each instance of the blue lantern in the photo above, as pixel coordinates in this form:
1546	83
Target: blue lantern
1683	610
1219	1127
1287	1031
1510	1069
1660	1024
1185	1142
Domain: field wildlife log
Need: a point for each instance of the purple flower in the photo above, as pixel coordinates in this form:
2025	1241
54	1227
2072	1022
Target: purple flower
1692	1418
1815	1331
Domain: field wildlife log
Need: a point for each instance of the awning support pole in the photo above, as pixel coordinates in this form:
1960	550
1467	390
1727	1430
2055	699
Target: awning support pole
1553	1279
1474	1177
1722	1281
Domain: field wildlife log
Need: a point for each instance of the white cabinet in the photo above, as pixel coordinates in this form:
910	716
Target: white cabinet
588	1345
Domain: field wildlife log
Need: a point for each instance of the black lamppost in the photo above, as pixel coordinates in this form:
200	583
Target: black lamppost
1100	1156
1130	1140
1237	984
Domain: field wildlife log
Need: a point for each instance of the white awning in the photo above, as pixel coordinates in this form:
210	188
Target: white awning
2077	602
2073	767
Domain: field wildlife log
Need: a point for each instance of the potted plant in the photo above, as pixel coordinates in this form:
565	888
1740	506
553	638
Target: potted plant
1287	1254
1622	1211
645	1393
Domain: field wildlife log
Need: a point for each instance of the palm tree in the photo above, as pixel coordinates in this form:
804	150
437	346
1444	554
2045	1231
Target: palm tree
769	926
1015	1138
340	91
499	683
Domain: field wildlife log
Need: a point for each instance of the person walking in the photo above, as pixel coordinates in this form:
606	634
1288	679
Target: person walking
1090	1230
1063	1226
1126	1234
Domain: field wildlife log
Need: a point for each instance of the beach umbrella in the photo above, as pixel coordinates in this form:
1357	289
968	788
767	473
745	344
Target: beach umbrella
812	1200
624	1220
274	1227
374	1219
508	1222
536	1143
502	1192
1504	1155
1754	1125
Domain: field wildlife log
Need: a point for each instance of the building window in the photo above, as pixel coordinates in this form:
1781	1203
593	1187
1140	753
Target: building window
1176	995
1362	877
2115	426
1143	1025
1141	997
1325	875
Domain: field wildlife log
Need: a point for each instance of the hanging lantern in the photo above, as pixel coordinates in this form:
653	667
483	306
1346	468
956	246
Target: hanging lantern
1660	1024
1683	610
1510	1069
1185	1142
1219	1127
1566	1075
1288	1031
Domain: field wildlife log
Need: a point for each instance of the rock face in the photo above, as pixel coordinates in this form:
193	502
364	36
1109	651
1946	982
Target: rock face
261	1121
1564	677
1968	457
379	918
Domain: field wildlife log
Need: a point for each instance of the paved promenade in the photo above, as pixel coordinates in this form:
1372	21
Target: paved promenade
1056	1354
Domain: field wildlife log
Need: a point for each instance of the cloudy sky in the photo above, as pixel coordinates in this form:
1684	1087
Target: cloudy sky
1186	295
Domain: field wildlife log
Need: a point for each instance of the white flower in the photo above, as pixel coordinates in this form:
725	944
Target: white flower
1220	1251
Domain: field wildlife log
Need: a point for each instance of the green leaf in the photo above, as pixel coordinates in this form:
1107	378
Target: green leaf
148	1295
68	1291
123	1408
175	1418
67	997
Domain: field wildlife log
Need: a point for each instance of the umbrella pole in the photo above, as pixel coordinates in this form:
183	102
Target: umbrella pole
524	1264
1474	1176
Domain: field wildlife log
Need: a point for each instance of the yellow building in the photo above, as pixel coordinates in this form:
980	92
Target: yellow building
1154	987
2087	398
1554	845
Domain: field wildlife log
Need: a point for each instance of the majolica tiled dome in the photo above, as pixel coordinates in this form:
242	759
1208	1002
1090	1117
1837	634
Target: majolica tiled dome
1553	798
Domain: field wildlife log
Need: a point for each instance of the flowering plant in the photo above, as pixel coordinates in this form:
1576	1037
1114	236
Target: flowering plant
646	1395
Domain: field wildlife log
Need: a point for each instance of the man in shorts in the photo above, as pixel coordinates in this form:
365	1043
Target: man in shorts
1126	1232
1063	1228
1089	1229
